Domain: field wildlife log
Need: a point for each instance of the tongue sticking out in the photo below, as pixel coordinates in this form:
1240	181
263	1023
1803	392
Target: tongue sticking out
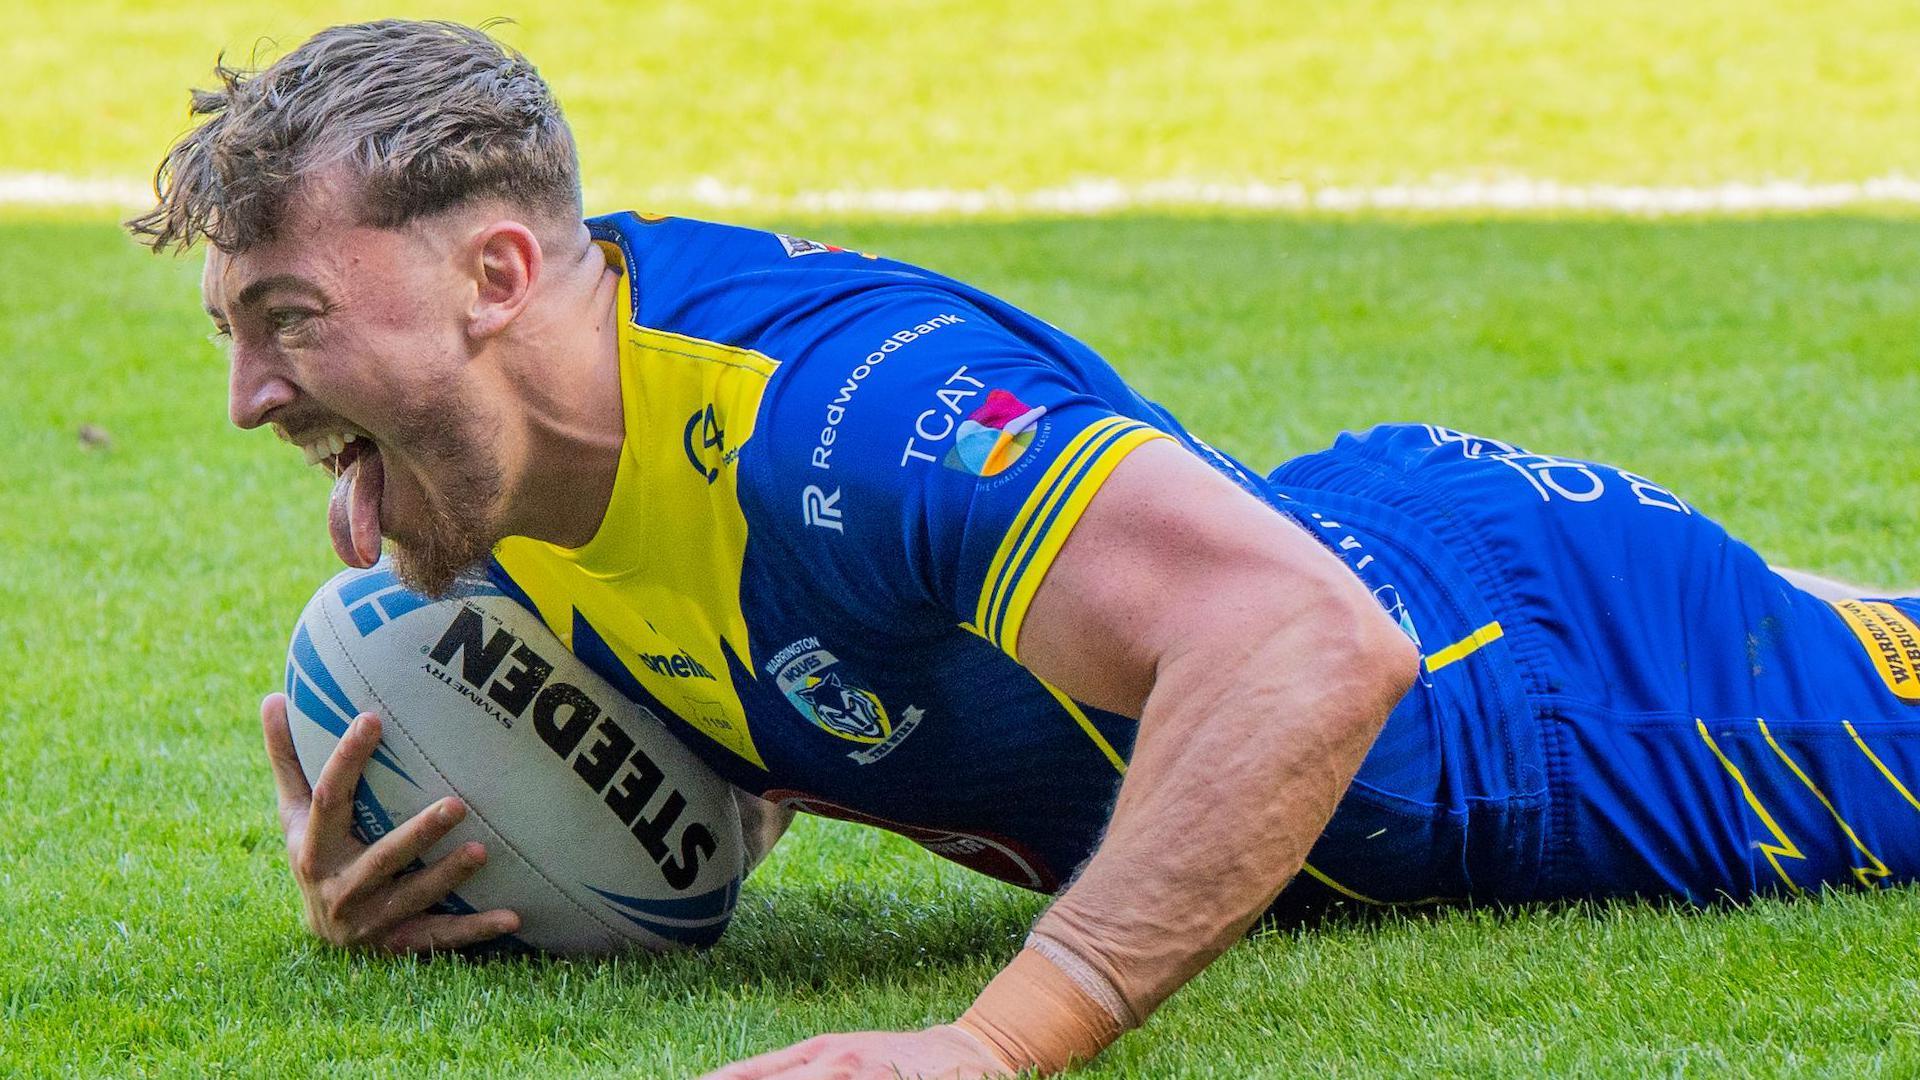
353	514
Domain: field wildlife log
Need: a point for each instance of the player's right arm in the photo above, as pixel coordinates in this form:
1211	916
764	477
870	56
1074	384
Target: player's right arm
1028	497
1260	669
359	895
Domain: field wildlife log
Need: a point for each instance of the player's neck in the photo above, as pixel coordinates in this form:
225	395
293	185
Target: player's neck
569	413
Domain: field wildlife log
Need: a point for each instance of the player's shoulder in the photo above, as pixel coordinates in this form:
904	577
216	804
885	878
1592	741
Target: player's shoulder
875	371
725	282
891	370
788	297
650	233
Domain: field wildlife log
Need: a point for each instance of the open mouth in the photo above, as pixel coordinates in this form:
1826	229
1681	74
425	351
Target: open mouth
353	510
333	450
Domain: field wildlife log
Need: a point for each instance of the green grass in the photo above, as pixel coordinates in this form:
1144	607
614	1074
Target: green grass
869	94
1763	368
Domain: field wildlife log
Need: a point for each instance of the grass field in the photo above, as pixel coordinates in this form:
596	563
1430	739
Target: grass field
1762	367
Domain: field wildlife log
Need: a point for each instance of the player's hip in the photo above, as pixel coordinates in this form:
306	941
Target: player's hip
1450	802
1703	727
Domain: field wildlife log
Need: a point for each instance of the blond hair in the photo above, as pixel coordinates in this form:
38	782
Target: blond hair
426	115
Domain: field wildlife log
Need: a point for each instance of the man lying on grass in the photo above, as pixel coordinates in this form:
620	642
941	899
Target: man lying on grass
1044	628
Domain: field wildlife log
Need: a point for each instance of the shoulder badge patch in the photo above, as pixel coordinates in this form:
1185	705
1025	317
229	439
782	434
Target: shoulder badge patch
1892	641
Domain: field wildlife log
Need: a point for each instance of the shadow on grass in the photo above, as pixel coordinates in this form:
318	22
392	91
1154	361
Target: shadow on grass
831	938
1318	914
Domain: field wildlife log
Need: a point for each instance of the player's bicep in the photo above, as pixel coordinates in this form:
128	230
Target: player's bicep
1168	553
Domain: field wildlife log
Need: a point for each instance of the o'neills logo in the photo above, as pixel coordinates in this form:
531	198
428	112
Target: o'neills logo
679	665
520	682
1892	641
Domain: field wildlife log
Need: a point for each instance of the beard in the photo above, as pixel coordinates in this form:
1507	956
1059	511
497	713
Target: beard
462	505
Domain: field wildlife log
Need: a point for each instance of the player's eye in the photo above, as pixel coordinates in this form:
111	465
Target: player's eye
220	337
288	319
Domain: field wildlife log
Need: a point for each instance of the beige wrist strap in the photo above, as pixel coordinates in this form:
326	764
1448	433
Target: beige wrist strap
1035	1013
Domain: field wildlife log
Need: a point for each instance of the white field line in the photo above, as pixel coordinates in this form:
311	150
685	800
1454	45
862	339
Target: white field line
1099	196
1514	194
50	189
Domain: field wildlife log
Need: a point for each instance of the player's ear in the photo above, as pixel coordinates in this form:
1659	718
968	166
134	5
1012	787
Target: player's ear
505	264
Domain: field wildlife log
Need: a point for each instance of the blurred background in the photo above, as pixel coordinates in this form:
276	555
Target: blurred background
839	106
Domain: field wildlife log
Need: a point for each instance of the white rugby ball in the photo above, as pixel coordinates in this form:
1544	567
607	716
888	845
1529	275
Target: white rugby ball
602	830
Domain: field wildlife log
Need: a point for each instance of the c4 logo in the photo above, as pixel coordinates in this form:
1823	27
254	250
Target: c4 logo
707	430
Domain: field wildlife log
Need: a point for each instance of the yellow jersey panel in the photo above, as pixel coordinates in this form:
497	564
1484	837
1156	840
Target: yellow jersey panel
660	580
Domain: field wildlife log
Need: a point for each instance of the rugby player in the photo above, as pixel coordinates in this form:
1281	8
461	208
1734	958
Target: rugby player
906	555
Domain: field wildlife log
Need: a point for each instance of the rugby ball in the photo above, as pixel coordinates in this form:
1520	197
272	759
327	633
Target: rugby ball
602	830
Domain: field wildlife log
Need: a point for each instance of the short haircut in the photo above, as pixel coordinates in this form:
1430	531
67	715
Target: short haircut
426	115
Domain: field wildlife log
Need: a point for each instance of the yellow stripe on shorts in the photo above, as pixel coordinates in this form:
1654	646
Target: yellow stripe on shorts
1466	646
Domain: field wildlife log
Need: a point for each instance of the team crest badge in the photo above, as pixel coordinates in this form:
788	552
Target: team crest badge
848	711
814	680
814	684
994	436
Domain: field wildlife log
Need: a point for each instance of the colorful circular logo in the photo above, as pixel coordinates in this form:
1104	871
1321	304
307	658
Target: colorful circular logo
994	436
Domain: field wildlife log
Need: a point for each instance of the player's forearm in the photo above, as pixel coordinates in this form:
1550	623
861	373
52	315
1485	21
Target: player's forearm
1247	741
1237	769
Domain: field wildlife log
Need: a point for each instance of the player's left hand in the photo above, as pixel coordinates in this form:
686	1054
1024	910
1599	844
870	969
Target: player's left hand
938	1053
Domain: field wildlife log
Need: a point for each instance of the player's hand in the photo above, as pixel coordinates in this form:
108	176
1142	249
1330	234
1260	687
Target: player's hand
938	1053
360	895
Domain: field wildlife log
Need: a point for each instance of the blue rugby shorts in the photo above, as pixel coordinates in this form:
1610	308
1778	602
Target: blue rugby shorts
1617	697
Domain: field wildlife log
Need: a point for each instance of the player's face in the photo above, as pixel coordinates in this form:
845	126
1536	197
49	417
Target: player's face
350	342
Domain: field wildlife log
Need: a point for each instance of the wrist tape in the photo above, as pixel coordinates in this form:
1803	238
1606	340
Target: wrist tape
1048	1008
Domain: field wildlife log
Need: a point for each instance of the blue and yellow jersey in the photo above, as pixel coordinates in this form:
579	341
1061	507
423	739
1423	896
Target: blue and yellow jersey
843	480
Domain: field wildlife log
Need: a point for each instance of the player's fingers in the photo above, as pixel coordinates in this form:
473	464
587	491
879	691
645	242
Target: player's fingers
835	1070
411	894
289	780
393	852
329	841
769	1064
432	933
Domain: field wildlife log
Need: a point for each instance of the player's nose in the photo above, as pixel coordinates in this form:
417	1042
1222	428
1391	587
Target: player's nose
254	389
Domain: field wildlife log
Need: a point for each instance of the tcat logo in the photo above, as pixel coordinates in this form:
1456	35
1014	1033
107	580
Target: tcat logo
995	435
821	509
617	770
953	395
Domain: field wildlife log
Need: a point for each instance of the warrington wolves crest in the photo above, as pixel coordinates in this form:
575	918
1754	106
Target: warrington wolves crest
847	711
812	682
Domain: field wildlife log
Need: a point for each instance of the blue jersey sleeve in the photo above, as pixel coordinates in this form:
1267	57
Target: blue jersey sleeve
923	462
